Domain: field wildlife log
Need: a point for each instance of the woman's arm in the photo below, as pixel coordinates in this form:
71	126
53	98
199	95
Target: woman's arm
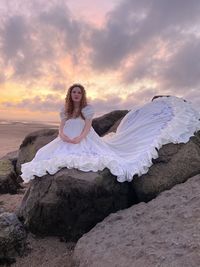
61	126
84	133
63	136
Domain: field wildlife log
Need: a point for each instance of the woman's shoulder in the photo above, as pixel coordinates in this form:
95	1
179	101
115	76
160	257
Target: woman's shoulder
88	111
88	107
62	112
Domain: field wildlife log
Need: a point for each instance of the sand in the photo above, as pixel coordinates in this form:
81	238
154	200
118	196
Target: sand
43	252
12	135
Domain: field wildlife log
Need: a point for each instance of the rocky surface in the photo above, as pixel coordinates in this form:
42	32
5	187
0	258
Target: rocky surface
9	182
163	232
71	202
12	156
113	128
12	237
46	252
103	124
40	251
176	163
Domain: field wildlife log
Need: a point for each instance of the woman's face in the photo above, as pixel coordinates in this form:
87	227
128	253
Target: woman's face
76	94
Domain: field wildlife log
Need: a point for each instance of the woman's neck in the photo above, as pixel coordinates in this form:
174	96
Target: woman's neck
76	105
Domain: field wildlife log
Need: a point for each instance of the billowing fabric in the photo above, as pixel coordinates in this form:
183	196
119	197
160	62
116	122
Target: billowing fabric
125	153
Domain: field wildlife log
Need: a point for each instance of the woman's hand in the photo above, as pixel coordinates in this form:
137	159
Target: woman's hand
65	138
77	139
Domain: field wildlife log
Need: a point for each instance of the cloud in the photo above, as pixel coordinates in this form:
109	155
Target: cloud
141	42
140	97
22	50
62	20
50	103
2	78
133	25
183	70
174	74
58	86
31	42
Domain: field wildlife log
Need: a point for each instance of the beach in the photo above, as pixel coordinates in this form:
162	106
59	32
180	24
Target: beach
13	133
46	251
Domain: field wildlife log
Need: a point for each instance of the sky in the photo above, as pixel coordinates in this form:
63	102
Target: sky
124	52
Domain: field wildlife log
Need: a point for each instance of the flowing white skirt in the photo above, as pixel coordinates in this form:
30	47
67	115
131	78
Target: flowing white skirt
125	153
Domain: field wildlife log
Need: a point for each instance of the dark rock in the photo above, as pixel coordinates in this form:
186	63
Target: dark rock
113	129
102	124
12	156
157	96
12	237
71	202
163	232
9	182
176	163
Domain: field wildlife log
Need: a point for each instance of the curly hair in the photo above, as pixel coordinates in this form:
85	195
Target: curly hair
69	105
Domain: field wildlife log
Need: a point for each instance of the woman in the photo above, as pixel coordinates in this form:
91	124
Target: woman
75	104
77	146
127	152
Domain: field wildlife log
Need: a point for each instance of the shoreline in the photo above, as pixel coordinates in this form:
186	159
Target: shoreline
10	121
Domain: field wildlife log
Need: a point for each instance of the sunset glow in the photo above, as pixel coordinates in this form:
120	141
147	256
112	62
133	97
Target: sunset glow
123	52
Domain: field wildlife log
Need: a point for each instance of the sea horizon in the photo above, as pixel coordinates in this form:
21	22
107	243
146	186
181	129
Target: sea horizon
21	121
4	121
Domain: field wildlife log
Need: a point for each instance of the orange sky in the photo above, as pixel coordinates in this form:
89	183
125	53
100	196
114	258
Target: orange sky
122	55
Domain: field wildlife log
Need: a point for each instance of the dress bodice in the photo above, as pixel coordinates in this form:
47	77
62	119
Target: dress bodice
87	111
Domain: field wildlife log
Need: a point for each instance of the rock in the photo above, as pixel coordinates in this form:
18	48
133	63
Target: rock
1	209
12	156
71	202
53	204
163	232
102	124
176	163
113	129
12	237
32	143
9	182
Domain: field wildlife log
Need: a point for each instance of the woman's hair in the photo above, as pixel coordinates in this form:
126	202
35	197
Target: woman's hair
69	105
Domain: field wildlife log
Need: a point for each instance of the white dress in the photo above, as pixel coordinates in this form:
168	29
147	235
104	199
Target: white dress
125	153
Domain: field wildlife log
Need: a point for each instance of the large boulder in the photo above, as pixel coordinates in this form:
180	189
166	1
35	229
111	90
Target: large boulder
32	143
12	237
175	164
9	182
103	124
71	202
163	232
